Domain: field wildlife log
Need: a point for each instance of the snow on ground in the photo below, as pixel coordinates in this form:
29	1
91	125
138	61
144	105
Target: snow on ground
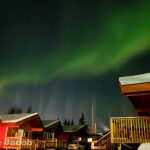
144	146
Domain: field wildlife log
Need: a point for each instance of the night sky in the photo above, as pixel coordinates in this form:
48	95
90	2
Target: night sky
61	56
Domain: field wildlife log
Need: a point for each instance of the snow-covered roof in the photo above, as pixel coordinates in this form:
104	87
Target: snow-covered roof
8	118
72	128
135	79
48	123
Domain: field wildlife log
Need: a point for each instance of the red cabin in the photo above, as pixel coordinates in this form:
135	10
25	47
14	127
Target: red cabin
21	131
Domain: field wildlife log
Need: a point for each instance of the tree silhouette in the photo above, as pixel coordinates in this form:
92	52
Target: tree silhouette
82	119
65	122
72	122
29	110
14	110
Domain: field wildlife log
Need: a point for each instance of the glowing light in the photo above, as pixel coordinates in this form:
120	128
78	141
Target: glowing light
89	140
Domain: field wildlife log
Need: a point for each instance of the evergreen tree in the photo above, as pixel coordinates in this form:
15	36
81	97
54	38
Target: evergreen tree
65	122
14	110
29	110
82	119
72	122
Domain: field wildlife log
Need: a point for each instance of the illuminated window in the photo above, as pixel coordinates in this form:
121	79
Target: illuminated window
89	139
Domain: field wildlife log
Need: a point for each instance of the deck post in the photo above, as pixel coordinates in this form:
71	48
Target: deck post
119	147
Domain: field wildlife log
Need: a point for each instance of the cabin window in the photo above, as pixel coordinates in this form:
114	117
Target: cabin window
89	140
27	134
20	132
12	132
47	135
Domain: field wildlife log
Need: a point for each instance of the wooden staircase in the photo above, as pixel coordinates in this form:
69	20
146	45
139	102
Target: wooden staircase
104	143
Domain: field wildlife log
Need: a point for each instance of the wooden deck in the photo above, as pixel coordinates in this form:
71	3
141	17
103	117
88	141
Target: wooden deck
130	129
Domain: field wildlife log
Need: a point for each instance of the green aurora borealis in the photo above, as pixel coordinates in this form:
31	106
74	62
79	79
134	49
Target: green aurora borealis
74	39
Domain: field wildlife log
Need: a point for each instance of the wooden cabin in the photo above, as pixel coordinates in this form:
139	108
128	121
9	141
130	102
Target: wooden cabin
21	131
133	129
52	129
137	89
73	132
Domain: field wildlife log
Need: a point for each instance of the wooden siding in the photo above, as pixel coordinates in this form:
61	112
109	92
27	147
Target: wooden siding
3	131
135	89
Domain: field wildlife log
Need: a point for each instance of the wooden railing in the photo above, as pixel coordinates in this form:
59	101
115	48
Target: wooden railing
38	144
130	129
104	143
54	143
23	143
